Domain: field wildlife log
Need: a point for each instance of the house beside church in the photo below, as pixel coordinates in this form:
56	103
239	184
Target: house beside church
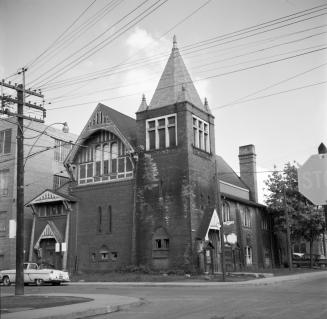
145	191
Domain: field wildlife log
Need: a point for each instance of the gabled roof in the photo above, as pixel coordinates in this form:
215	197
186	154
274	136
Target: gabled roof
227	174
106	118
50	195
175	84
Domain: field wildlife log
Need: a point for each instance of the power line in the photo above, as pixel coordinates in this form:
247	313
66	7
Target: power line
108	40
103	72
74	35
60	36
205	78
82	57
61	99
239	100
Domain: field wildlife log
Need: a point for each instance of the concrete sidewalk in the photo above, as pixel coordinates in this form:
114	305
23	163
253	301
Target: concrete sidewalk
102	304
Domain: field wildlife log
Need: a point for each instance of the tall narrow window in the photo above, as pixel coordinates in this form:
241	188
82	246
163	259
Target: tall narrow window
226	212
109	219
99	219
248	255
114	156
5	142
61	150
161	132
201	134
4	182
246	217
106	157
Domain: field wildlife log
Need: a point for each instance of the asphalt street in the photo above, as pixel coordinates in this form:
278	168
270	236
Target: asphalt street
301	299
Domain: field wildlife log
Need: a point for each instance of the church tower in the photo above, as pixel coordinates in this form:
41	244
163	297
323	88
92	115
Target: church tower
175	193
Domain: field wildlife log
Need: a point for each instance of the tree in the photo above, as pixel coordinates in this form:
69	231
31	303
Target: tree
306	221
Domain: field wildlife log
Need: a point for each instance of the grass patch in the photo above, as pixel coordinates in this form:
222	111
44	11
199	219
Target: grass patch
18	303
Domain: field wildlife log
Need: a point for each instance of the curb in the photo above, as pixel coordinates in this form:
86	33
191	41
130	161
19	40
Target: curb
99	306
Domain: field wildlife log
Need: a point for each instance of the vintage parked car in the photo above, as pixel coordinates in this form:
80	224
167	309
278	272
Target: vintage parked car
303	260
33	274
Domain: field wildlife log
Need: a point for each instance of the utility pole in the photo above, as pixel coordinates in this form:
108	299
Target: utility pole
221	231
20	101
323	150
288	231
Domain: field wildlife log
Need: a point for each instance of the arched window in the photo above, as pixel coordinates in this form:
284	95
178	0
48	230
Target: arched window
246	217
104	159
226	212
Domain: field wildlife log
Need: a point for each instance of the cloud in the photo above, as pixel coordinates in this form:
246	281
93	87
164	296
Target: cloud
262	176
150	58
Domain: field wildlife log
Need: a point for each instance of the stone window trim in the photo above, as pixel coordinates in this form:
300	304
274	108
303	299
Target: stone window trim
161	132
201	134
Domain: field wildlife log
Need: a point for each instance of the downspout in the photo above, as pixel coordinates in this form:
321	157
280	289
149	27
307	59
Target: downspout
64	261
30	255
135	160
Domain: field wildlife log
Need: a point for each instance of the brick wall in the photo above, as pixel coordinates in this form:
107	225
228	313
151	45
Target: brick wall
88	240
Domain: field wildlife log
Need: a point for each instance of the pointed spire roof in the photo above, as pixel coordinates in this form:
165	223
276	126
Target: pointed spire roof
175	84
143	106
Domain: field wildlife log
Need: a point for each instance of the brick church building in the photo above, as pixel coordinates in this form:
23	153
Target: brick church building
144	191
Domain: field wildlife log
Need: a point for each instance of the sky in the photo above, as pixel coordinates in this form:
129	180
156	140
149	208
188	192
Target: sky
261	64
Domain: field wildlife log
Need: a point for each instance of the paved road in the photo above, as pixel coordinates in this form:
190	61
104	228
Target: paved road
299	299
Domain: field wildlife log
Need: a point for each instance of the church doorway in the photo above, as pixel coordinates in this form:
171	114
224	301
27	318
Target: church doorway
48	255
216	253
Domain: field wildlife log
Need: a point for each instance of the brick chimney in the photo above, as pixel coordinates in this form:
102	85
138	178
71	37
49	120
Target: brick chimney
248	168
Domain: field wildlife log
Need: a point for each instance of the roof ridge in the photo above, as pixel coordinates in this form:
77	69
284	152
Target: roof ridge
175	84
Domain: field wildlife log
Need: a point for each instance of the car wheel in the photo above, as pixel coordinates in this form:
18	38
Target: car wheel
6	281
56	283
39	282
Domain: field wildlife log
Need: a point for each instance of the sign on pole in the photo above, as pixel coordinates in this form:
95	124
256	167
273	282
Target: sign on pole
312	179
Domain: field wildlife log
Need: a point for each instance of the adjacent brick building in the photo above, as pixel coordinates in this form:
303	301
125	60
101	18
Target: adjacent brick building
44	168
144	191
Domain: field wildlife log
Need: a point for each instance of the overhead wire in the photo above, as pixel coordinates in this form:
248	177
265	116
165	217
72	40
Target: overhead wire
239	34
112	37
101	74
207	77
70	38
30	64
